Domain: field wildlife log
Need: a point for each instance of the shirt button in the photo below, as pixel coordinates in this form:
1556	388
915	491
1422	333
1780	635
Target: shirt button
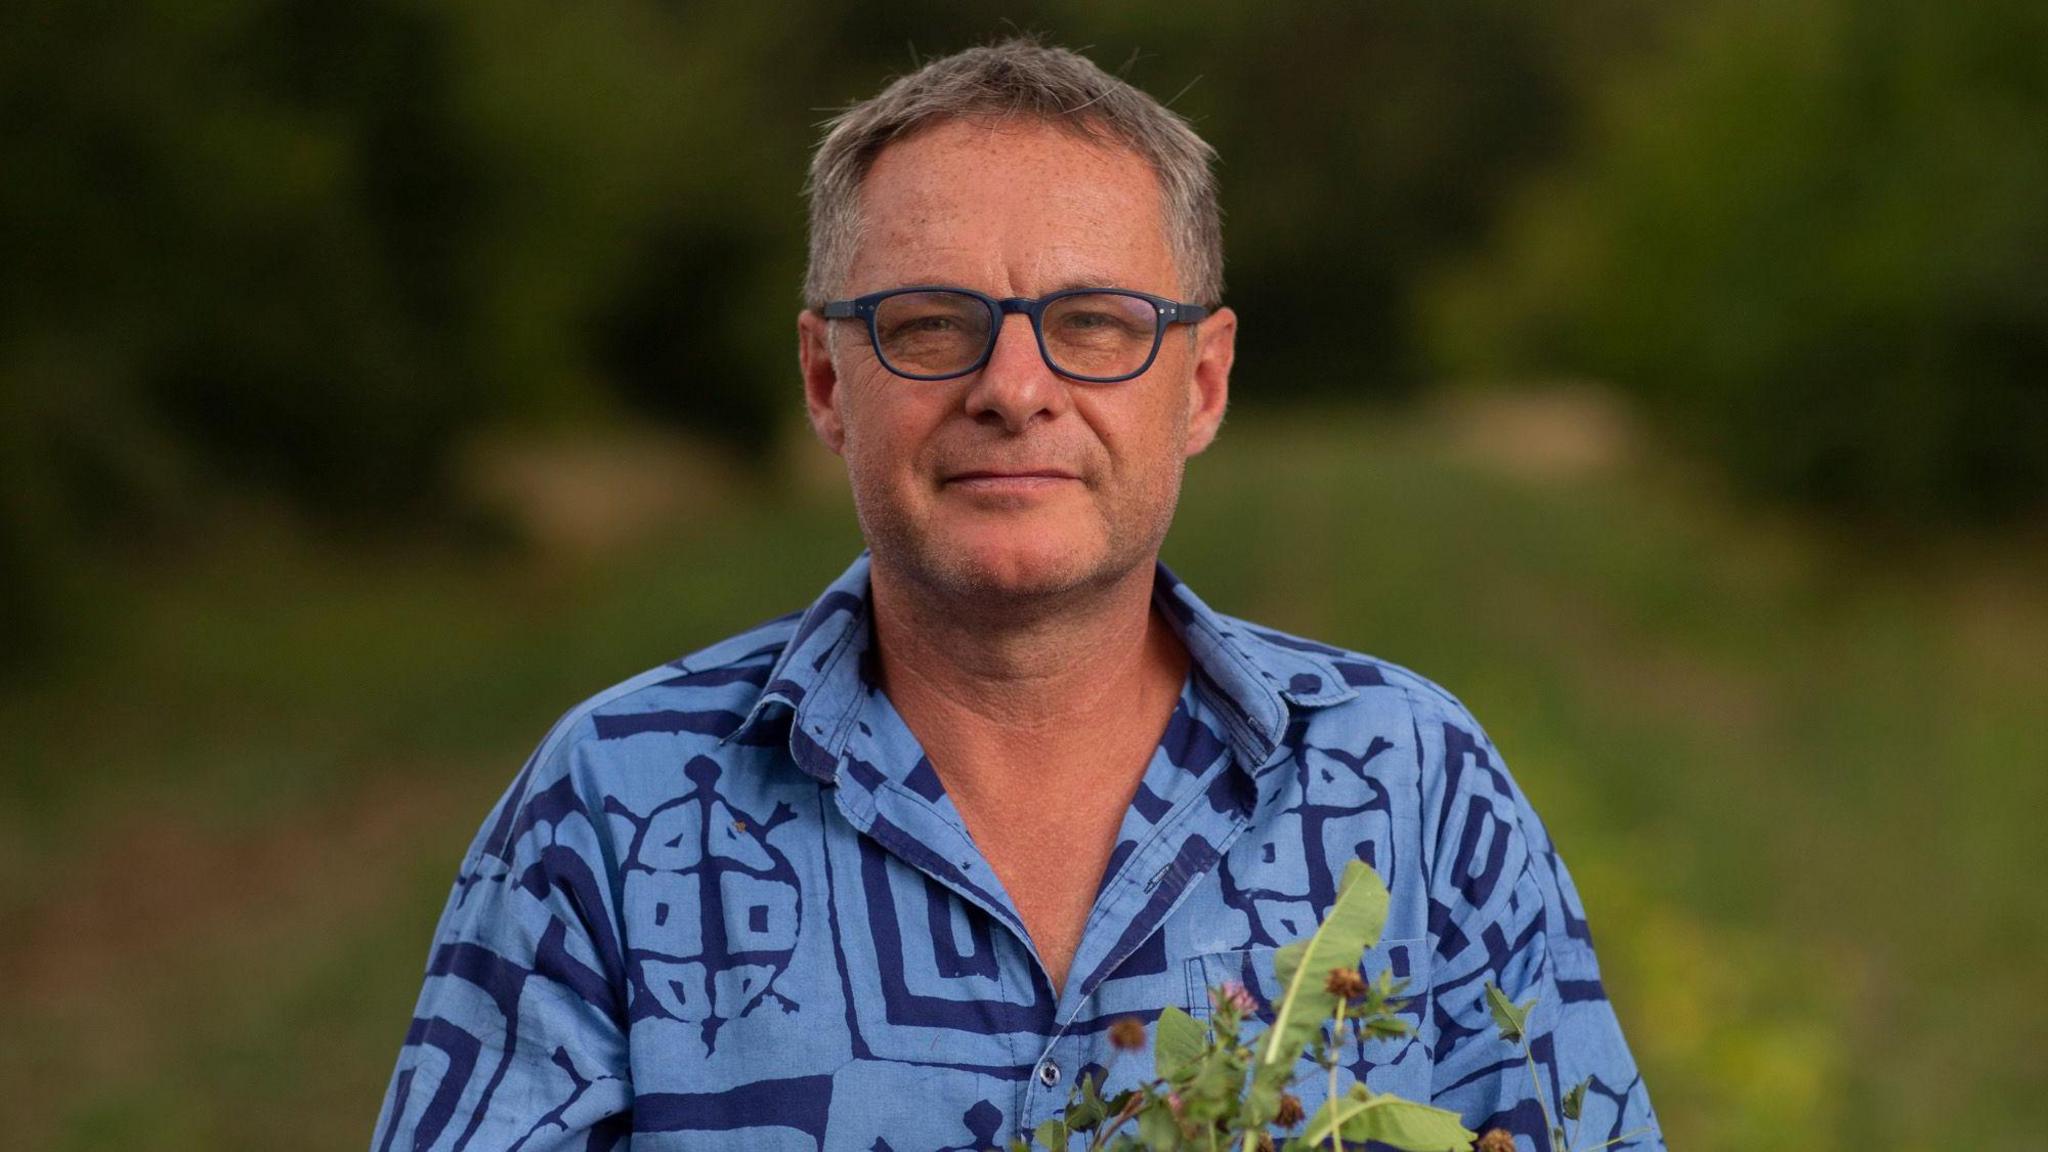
1049	1074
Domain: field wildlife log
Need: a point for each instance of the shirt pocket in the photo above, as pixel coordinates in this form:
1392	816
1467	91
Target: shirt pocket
1399	1065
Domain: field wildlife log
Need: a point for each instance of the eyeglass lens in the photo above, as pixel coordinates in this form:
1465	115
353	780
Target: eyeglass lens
945	333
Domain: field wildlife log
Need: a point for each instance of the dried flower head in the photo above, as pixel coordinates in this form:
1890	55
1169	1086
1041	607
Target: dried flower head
1290	1112
1345	984
1127	1034
1495	1140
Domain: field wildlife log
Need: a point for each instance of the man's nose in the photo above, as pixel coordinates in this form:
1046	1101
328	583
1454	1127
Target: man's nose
1016	386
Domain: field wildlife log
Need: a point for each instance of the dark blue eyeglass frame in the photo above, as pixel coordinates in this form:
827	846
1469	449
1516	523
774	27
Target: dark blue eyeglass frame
1164	311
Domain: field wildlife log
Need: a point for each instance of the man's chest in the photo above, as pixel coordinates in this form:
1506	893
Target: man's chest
842	967
1049	855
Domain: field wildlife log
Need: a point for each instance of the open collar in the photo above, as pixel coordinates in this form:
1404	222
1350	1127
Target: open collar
1260	679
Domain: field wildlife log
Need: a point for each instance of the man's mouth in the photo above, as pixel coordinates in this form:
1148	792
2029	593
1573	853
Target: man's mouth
1010	480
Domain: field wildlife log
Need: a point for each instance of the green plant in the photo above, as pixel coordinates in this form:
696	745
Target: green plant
1512	1020
1213	1089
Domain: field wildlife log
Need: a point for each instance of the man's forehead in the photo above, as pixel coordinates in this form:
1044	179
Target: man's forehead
1024	198
1049	267
1053	161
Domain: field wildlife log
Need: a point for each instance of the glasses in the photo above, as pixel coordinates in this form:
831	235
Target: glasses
1096	335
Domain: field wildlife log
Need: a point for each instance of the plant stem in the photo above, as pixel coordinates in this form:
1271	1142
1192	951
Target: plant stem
1123	1117
1549	1123
1337	1037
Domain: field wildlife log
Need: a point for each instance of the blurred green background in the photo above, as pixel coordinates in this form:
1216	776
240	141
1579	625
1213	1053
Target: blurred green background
1669	381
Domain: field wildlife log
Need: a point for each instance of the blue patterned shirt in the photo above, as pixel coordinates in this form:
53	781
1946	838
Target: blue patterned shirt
728	904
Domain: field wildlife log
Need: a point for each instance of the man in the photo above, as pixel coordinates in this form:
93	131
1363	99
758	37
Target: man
881	874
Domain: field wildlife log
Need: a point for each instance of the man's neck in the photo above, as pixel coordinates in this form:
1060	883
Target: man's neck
987	688
1040	725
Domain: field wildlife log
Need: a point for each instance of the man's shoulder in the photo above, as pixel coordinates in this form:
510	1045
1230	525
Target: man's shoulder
1453	760
1374	681
626	744
702	697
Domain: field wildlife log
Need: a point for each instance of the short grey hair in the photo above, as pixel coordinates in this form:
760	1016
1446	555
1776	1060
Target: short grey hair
1016	77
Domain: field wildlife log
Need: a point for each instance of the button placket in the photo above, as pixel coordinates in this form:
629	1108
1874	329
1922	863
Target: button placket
1045	1097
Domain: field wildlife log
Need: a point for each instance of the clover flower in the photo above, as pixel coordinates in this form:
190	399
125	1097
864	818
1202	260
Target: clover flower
1235	996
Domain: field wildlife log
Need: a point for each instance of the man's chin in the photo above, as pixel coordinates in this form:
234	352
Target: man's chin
1022	573
1014	573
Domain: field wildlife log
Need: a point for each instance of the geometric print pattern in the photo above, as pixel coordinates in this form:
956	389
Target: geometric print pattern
728	904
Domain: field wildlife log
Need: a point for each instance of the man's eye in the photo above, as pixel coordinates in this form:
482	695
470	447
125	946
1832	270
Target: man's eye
1089	323
917	325
1097	323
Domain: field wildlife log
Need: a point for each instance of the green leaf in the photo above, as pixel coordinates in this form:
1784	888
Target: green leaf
1212	1092
1386	1028
1575	1100
1157	1128
1177	1043
1086	1115
1261	1101
1512	1019
1323	1122
1052	1135
1086	1109
1360	1115
1415	1127
1352	925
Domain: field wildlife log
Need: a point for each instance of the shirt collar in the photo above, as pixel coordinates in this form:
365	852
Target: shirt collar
1260	678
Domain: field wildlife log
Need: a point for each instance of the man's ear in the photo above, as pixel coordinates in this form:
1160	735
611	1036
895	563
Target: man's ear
1209	383
821	378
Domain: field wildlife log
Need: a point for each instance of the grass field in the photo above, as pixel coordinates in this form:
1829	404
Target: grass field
1798	778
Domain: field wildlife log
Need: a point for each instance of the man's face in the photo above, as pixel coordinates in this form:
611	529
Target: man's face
1013	482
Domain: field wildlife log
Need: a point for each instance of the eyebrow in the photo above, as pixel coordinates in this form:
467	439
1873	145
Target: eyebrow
1087	282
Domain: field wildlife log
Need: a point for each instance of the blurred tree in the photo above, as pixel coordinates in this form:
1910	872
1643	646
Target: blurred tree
299	249
1359	145
233	238
1812	238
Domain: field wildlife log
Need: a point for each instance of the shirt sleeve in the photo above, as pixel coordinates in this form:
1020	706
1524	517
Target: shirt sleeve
1502	908
519	1037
